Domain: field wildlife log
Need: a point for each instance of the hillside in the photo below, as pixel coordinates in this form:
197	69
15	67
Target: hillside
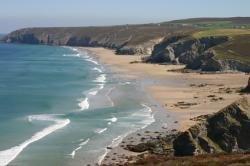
233	22
207	44
126	39
210	49
1	37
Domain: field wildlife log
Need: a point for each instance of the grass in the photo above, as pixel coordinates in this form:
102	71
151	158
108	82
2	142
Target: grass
221	32
238	48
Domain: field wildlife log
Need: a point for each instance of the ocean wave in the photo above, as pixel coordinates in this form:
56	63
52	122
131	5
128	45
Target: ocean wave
97	69
99	131
71	55
6	156
125	83
101	86
86	56
112	120
74	49
83	104
149	114
72	154
101	79
91	60
115	142
145	113
101	158
93	93
109	98
84	142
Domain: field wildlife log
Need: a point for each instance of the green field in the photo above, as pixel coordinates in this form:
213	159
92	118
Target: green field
221	32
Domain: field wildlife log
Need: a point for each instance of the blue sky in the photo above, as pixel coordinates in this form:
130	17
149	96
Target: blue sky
15	14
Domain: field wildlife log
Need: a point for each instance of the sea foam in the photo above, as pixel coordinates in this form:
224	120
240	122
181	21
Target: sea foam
73	153
93	93
97	69
6	156
99	131
71	55
101	79
84	104
91	60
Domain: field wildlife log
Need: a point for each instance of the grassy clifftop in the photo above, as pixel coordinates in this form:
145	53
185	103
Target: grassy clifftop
237	48
233	22
201	36
130	37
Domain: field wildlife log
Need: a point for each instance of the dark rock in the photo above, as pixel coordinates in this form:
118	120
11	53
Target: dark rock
195	53
247	89
142	147
226	131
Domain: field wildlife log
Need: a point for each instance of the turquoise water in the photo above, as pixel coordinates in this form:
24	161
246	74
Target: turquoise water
60	107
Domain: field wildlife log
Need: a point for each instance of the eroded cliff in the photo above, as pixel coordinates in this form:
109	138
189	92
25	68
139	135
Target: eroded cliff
197	54
126	39
226	131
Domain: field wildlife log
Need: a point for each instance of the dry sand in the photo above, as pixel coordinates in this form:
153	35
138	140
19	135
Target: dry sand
187	95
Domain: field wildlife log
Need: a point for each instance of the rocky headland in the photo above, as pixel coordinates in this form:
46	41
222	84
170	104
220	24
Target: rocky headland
212	141
176	42
220	59
125	39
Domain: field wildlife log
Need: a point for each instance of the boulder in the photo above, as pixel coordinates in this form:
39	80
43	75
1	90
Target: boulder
247	89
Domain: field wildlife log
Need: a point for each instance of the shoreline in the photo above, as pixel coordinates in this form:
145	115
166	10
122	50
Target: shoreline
146	105
183	96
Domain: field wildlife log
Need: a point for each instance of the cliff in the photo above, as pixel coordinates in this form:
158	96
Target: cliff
207	44
126	39
197	54
226	131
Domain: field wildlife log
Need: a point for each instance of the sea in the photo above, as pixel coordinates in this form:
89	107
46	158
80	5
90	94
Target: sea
61	107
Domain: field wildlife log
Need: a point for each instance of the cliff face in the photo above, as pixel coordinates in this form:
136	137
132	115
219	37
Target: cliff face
195	53
127	39
226	131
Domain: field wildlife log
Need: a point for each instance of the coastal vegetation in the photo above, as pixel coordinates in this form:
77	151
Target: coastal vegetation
203	45
188	41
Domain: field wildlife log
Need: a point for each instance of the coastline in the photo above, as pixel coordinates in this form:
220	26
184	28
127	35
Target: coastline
182	96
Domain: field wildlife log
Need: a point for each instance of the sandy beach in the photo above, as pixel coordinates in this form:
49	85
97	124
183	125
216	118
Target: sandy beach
186	95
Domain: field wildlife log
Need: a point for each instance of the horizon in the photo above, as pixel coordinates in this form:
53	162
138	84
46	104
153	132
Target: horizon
16	15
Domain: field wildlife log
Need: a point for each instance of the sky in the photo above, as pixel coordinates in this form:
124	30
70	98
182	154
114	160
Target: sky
16	14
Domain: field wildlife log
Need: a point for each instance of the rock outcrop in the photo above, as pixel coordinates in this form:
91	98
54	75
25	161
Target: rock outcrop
197	54
248	85
183	49
247	88
226	131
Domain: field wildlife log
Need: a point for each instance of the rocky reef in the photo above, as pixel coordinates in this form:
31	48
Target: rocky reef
226	131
